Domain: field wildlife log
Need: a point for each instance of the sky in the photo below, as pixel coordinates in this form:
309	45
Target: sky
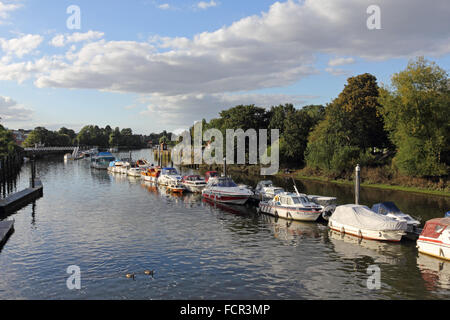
154	65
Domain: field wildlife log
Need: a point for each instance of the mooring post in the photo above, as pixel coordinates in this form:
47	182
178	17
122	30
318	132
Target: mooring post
357	183
225	166
33	171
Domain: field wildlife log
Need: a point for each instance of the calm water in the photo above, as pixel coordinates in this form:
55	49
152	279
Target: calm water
110	225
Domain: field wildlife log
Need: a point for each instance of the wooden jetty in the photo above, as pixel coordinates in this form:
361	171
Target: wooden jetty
6	228
21	198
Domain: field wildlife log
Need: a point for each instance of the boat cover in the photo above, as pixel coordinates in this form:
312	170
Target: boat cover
385	208
362	217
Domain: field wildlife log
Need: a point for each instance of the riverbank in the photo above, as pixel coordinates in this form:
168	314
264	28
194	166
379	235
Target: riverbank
380	178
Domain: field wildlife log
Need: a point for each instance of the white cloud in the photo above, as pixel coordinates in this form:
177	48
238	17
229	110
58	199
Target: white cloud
10	110
164	6
61	40
274	49
21	46
206	5
340	61
336	72
179	110
6	9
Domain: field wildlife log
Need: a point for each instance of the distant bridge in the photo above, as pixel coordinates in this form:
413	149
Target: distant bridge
50	150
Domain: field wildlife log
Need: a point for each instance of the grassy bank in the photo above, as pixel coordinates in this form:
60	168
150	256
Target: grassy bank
380	178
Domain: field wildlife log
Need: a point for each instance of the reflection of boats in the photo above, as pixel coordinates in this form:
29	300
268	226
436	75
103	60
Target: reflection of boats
265	191
389	209
362	222
435	238
102	160
227	207
350	247
224	190
435	273
169	175
291	206
290	230
194	183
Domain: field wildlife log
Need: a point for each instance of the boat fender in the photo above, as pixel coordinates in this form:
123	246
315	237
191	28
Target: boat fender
289	215
360	233
342	230
441	253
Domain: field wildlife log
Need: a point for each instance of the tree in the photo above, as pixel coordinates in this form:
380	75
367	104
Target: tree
417	111
7	143
351	129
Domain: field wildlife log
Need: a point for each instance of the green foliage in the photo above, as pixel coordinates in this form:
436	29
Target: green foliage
417	111
352	127
7	143
43	136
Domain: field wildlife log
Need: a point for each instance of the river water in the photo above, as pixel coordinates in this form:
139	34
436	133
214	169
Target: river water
110	225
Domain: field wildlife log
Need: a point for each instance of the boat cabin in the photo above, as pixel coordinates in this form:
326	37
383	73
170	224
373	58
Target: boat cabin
169	171
436	227
211	174
222	182
292	199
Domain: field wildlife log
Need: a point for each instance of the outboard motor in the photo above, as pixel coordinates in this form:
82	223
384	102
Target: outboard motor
328	212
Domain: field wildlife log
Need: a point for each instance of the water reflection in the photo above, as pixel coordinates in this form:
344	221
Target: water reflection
434	272
111	224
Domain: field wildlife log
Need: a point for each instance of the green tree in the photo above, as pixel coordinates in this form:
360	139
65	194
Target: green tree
351	129
416	110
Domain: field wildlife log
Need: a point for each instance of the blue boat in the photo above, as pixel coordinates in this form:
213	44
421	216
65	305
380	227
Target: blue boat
102	160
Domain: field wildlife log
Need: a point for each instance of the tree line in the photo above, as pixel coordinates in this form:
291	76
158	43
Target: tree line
405	125
93	135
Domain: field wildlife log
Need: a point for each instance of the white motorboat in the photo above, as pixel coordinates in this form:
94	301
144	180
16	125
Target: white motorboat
135	171
116	166
389	209
435	238
124	168
194	183
291	206
265	191
328	205
225	190
360	221
169	175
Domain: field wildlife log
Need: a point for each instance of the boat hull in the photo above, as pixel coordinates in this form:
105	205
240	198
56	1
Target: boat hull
289	213
383	235
434	248
226	198
194	188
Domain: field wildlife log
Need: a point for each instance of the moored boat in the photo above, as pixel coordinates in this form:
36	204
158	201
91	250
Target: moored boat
151	175
225	190
291	206
265	191
134	171
175	187
435	238
211	174
360	221
389	209
102	160
168	175
194	183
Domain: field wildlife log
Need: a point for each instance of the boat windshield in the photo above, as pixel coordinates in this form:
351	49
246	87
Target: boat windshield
300	200
171	172
228	183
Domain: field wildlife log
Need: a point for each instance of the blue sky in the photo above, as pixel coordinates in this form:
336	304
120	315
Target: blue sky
155	65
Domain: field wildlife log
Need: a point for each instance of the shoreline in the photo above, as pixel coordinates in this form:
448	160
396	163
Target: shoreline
441	193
